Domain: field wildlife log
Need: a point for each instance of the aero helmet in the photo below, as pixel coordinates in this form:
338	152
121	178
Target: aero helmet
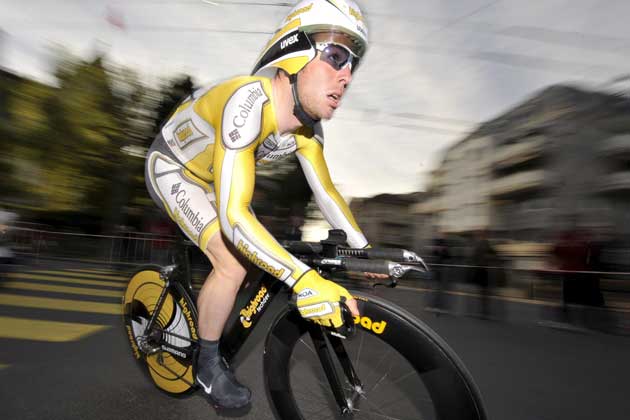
290	48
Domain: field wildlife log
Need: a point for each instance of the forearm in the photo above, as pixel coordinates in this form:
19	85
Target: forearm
253	241
332	205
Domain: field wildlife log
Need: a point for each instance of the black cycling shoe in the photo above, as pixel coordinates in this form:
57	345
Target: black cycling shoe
221	387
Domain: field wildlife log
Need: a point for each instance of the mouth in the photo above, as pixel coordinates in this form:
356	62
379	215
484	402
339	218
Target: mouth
335	99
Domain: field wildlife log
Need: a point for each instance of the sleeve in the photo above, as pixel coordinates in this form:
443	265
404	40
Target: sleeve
310	153
234	175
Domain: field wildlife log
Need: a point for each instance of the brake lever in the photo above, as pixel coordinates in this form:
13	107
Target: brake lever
413	258
348	329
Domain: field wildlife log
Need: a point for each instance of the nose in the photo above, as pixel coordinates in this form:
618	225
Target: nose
345	75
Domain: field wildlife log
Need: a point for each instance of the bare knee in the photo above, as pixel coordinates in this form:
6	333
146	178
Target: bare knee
232	274
227	268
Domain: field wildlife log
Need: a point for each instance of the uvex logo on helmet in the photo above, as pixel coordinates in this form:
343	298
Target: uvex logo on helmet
289	41
289	51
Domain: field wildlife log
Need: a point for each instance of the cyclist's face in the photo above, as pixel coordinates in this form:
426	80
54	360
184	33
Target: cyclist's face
321	86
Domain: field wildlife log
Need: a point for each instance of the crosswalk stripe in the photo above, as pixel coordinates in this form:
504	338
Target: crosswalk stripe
81	275
93	271
60	304
66	280
61	289
34	329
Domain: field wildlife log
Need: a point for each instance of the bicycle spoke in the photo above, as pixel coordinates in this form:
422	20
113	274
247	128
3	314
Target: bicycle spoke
310	395
304	363
381	414
308	347
384	357
356	362
394	401
322	406
394	382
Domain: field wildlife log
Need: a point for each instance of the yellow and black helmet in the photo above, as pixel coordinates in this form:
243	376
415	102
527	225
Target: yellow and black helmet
290	48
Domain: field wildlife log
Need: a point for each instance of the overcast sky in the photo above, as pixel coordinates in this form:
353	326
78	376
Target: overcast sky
434	70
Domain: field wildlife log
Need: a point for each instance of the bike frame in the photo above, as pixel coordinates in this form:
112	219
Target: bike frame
263	288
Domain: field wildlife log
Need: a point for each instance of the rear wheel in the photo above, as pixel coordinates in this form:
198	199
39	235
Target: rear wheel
406	370
167	351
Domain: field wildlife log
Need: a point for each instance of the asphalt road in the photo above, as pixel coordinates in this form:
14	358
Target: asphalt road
64	355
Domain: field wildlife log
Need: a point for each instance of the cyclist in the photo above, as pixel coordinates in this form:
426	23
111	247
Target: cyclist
201	170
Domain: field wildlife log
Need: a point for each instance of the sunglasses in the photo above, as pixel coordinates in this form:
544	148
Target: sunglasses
338	55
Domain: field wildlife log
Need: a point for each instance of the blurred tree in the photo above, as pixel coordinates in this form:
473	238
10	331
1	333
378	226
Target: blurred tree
286	194
172	94
135	112
77	148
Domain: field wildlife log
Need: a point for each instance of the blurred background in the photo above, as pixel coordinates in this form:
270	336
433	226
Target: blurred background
492	137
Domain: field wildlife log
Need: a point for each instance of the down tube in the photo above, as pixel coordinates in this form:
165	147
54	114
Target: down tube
260	289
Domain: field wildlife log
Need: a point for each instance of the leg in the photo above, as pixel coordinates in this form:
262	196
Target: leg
190	202
218	293
215	303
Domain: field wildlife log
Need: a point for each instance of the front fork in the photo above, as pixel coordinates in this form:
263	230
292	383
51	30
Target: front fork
323	349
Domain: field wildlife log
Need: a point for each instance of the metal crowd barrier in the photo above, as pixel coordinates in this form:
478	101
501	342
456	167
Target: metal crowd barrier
126	248
450	289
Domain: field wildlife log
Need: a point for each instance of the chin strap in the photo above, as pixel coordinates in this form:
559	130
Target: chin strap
298	110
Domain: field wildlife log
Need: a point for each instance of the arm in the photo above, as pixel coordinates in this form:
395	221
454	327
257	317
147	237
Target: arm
316	298
234	172
311	156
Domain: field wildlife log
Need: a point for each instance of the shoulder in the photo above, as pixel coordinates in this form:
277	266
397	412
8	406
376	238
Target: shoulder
219	93
242	101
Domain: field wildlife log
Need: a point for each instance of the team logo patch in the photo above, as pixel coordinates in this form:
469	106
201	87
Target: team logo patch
289	41
234	135
242	116
299	12
259	257
255	306
370	325
307	293
186	132
268	152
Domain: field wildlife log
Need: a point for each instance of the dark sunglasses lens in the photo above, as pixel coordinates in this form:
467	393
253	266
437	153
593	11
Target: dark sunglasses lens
336	56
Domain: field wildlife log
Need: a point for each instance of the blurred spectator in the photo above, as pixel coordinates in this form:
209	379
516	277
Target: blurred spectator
482	257
597	247
293	231
125	232
162	228
7	218
440	255
572	254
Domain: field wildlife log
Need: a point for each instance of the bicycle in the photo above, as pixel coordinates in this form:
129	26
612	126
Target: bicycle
384	364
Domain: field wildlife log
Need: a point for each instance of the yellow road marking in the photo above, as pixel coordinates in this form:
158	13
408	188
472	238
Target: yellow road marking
60	304
61	289
94	270
66	280
35	329
82	275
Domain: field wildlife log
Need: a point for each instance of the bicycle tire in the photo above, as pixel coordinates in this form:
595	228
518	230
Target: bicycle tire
439	375
172	368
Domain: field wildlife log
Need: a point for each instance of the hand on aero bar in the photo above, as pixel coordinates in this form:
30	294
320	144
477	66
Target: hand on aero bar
318	300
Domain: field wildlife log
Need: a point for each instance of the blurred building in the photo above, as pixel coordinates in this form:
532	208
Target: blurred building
559	160
386	219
